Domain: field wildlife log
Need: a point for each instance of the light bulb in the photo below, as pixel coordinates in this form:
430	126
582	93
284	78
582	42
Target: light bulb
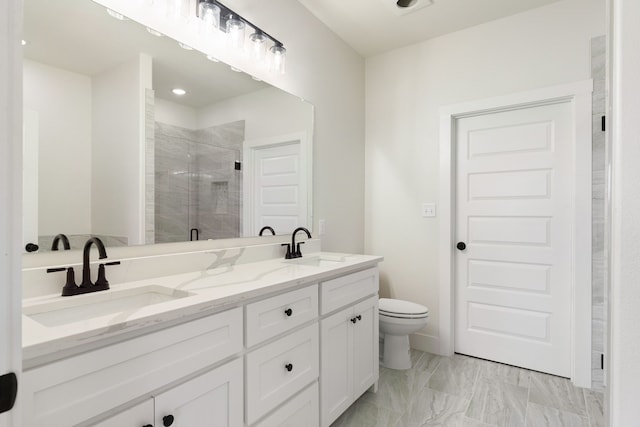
258	46
235	32
278	57
209	14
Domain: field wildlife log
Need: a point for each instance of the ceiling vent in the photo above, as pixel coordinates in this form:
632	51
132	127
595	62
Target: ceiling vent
405	7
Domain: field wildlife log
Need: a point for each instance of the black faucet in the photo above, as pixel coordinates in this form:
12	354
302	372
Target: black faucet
102	284
86	268
265	228
293	250
56	242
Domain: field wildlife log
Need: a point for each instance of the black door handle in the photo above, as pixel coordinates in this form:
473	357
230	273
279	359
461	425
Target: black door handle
461	246
288	367
288	312
359	317
8	391
354	320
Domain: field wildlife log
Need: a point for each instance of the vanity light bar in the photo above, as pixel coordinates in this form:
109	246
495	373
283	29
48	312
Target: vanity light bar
226	13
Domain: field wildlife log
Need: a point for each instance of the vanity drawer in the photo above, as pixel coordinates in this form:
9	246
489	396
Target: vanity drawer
301	410
75	389
279	370
270	317
347	289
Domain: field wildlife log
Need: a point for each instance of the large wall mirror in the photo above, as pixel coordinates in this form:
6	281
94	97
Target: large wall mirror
111	151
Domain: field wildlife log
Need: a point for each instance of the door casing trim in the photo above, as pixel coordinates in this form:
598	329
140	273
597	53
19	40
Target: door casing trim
578	94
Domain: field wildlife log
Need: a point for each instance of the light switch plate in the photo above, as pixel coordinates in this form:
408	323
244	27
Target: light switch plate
428	210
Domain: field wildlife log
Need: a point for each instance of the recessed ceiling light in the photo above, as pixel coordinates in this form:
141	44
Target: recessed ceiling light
237	70
185	46
24	42
154	32
179	92
212	58
116	15
256	78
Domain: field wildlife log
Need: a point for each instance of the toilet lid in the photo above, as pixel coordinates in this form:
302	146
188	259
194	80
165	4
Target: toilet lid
398	308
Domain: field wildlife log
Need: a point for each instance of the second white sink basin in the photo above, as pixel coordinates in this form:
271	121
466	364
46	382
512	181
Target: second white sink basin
89	306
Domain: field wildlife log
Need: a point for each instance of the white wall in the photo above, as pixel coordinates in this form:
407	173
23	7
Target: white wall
624	295
322	69
405	88
62	100
175	114
267	113
118	149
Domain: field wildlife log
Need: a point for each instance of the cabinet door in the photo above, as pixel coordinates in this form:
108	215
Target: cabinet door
336	372
365	346
137	416
300	410
213	399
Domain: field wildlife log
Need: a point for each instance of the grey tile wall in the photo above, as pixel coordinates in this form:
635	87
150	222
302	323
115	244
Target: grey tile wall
196	184
149	123
599	260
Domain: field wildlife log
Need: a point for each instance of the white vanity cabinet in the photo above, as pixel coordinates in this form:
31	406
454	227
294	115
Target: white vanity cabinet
211	399
349	342
74	390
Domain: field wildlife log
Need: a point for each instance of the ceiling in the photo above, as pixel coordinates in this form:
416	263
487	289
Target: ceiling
375	26
79	36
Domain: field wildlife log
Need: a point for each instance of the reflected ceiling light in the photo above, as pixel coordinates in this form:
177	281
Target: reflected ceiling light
154	32
116	15
235	27
179	92
24	42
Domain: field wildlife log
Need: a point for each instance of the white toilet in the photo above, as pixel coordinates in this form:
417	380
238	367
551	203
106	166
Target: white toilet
398	319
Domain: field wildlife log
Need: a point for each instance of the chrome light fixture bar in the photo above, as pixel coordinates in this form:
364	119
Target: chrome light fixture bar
216	15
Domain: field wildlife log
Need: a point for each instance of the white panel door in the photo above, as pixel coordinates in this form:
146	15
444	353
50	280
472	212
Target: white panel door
280	193
513	207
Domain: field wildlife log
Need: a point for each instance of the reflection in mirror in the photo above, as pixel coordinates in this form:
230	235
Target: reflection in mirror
110	150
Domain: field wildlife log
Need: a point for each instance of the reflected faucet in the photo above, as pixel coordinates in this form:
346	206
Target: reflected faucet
56	242
265	228
293	251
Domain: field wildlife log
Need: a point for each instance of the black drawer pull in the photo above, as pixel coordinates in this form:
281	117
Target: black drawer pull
167	420
288	312
359	317
288	367
353	320
148	425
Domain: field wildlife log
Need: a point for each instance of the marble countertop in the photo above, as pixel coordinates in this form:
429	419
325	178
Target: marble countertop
180	297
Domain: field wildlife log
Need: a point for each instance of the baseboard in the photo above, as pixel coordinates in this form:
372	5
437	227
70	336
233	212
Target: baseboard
424	342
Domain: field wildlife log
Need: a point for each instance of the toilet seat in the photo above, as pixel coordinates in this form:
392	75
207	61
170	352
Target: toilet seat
401	309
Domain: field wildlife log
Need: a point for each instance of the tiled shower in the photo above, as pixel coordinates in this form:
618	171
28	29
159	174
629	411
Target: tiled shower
197	186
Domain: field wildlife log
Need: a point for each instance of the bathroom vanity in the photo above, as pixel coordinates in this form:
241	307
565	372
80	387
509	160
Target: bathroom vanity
267	343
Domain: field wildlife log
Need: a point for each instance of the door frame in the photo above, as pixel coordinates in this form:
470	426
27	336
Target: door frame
578	94
11	198
249	148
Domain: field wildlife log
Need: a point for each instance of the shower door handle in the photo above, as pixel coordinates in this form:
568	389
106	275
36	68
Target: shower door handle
197	232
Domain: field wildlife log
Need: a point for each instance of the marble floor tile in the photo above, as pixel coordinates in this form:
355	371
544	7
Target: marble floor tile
498	402
470	422
434	408
595	407
455	375
556	392
366	414
506	373
544	416
396	388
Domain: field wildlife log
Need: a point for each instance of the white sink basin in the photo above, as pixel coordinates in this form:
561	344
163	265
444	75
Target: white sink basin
89	306
317	261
